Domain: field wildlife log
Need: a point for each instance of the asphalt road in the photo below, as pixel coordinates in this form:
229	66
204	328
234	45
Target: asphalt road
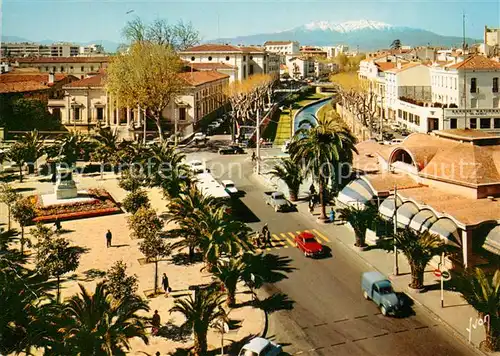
329	315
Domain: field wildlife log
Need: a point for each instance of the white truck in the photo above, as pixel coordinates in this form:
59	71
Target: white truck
207	184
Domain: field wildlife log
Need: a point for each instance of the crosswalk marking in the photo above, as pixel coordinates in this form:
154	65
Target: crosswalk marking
320	235
284	240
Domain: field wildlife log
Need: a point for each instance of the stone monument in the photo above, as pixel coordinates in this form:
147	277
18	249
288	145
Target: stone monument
65	185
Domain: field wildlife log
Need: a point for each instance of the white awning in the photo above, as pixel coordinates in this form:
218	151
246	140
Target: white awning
386	209
423	220
406	212
447	230
356	193
492	242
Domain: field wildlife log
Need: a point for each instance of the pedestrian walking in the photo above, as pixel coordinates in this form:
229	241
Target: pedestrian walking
57	225
155	322
268	238
311	206
165	284
109	236
312	190
332	215
266	234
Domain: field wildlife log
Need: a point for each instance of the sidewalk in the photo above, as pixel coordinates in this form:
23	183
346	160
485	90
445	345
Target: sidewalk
457	315
90	234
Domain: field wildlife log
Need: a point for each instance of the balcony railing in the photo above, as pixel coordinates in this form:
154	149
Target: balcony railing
429	104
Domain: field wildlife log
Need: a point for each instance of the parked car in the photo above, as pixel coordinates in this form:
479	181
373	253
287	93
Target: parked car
200	136
196	166
260	347
307	243
377	287
285	147
229	187
277	200
231	150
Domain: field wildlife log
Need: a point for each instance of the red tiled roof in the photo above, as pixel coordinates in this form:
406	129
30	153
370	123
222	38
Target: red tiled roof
210	66
383	66
476	62
49	60
213	48
199	78
21	87
252	49
404	67
29	77
95	81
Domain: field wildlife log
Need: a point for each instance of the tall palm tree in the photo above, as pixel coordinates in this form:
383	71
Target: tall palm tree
289	172
419	248
360	219
229	273
322	149
107	148
220	235
483	293
34	143
68	148
98	324
200	311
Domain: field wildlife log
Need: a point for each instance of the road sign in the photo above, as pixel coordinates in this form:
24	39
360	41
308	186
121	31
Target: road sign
437	273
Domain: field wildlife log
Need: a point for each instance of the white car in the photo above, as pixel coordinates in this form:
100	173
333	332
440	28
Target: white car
260	347
196	166
285	147
229	186
199	136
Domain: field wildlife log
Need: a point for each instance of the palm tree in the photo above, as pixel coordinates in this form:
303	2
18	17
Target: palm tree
107	148
291	173
33	143
483	293
98	324
419	248
396	44
68	148
229	273
200	311
321	149
220	235
190	201
360	219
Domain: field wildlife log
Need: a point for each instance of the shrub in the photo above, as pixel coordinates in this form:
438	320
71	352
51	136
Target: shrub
135	200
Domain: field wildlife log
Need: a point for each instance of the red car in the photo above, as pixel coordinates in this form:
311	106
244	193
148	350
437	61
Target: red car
307	243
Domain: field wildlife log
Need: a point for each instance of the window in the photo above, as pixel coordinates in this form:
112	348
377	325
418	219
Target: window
453	123
473	103
495	102
82	69
182	114
473	123
455	80
46	69
71	68
209	58
192	59
227	58
496	123
410	118
250	69
92	68
100	114
495	85
244	58
76	114
251	57
485	123
405	115
62	69
400	113
417	120
54	69
473	85
56	112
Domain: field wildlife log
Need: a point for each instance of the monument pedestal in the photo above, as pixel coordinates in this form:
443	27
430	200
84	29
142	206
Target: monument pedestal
65	185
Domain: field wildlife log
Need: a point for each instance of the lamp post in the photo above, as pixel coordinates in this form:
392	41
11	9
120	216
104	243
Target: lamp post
396	263
257	143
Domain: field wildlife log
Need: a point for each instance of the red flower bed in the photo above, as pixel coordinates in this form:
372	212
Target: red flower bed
102	204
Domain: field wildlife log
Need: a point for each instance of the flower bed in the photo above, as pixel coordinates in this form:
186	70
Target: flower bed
102	204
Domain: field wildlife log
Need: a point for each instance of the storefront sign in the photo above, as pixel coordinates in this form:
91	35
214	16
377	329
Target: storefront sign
473	112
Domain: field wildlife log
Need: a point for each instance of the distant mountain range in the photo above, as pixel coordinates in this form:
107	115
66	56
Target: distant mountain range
365	34
109	46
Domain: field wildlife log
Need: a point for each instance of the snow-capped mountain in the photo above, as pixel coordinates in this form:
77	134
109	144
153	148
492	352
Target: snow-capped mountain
362	34
347	26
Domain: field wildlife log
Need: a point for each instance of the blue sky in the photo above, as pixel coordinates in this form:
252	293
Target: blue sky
87	20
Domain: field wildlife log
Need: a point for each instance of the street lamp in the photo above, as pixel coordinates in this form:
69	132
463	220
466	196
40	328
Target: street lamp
396	262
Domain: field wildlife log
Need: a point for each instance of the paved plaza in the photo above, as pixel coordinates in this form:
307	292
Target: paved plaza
90	234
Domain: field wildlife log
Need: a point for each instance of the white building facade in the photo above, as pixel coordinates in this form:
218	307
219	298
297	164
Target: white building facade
282	47
245	61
